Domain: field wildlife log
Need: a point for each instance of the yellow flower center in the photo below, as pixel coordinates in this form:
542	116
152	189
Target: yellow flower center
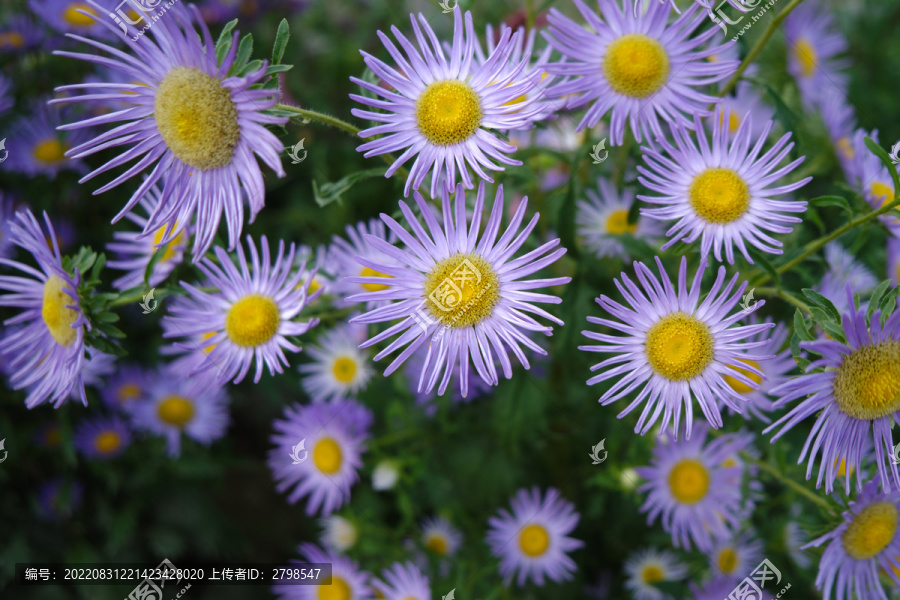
436	544
652	574
870	531
739	386
73	17
197	119
734	121
842	467
867	384
689	481
50	151
338	590
128	391
805	54
448	112
327	456
344	369
370	287
252	321
176	410
719	196
636	65
315	285
57	317
617	223
11	39
727	560
883	192
846	148
176	241
107	442
534	540
462	290
679	347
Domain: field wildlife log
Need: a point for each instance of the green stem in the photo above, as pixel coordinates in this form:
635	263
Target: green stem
530	16
809	494
392	438
768	291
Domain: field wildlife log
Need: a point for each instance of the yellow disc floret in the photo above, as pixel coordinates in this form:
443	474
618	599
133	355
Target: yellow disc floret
369	287
679	347
57	317
739	386
689	481
636	65
327	456
107	442
344	369
73	17
870	531
617	223
448	112
534	540
462	290
867	384
652	574
338	590
806	55
437	544
719	196
50	151
727	560
176	410
252	321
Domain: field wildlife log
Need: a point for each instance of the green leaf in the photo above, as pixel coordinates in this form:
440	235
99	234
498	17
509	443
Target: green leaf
801	328
243	54
820	300
250	67
834	330
278	69
106	317
566	216
634	213
882	154
154	260
765	264
110	331
281	40
332	191
833	201
875	298
223	45
888	304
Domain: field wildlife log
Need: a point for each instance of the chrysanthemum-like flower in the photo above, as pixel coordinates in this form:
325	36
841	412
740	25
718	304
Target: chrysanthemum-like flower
68	16
250	316
177	405
603	218
348	582
640	67
534	539
863	548
102	438
440	536
745	101
339	369
441	110
718	191
316	259
37	148
813	44
844	270
463	291
736	557
403	582
45	354
648	567
840	122
690	484
856	397
341	261
875	182
19	33
338	533
334	437
189	121
130	383
136	250
676	348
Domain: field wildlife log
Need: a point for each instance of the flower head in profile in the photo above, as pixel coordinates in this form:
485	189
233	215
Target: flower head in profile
441	109
186	120
648	567
463	289
641	68
403	581
102	438
814	46
676	349
348	581
602	219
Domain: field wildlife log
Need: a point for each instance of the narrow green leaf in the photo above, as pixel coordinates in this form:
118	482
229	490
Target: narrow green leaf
223	45
281	41
106	317
882	154
332	191
243	53
795	345
834	330
875	299
820	300
110	331
250	67
154	260
838	201
273	69
801	328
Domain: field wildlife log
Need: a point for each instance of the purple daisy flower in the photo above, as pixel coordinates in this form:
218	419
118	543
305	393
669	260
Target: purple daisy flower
855	397
209	167
336	436
719	192
648	69
717	589
129	384
648	567
840	122
135	250
440	536
862	548
251	313
676	348
533	539
20	33
693	489
814	43
745	101
467	295
403	581
339	369
736	557
441	111
874	182
102	438
603	218
348	582
48	436
341	261
74	16
46	354
37	148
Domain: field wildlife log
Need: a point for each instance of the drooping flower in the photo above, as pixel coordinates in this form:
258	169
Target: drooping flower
463	291
440	536
102	438
348	582
403	581
603	218
814	46
718	191
533	539
36	147
648	567
441	110
186	119
640	67
339	369
676	348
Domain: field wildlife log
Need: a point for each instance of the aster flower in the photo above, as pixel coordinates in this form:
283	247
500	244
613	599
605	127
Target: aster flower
176	406
341	261
874	182
533	539
46	354
129	384
693	490
862	548
476	303
348	582
339	369
855	398
650	566
335	436
135	250
844	270
603	218
48	436
719	192
338	534
441	111
440	536
736	557
74	16
209	167
676	348
37	148
403	582
385	475
317	260
102	438
840	123
20	33
251	313
745	101
814	45
648	69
